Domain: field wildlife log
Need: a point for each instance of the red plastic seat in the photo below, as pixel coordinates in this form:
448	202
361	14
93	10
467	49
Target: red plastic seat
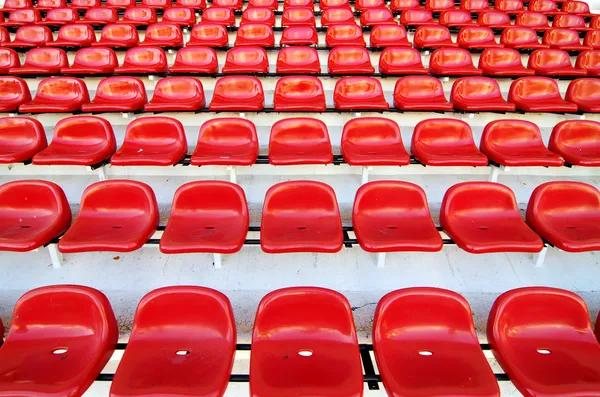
201	60
143	60
13	93
299	141
237	93
585	93
401	61
368	141
270	4
377	16
163	35
576	7
60	16
538	94
452	62
439	5
509	6
590	62
74	36
532	20
569	21
219	15
208	35
157	141
309	325
246	60
33	214
361	5
42	61
403	5
4	36
517	143
548	7
45	5
120	4
445	142
300	216
30	36
345	35
299	93
20	139
297	16
422	334
22	18
328	4
494	19
298	60
429	37
8	59
118	94
416	17
116	215
359	93
85	4
92	61
226	141
57	95
80	140
255	35
161	334
193	4
553	62
564	39
503	62
350	60
479	94
177	94
577	141
592	39
474	6
139	16
11	5
456	18
483	217
336	16
389	36
231	4
521	38
180	16
157	4
299	35
477	38
258	15
118	36
536	325
100	16
420	93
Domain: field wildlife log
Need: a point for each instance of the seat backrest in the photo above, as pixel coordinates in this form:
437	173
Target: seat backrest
76	33
120	4
402	5
533	87
119	32
500	58
238	88
39	35
450	57
549	58
574	135
220	15
299	140
48	4
507	133
46	57
239	58
15	4
454	17
544	6
209	34
178	88
13	89
575	7
431	34
558	36
335	16
518	36
180	16
532	19
161	32
104	14
375	16
562	198
9	59
221	135
588	60
298	56
140	14
26	133
115	197
441	133
258	15
509	5
25	16
374	132
85	4
473	35
568	21
492	18
419	87
63	89
32	199
94	130
62	15
118	89
384	35
156	131
346	34
146	56
95	57
474	5
389	198
206	198
475	88
196	56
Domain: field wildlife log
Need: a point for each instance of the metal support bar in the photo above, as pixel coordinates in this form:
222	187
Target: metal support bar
494	171
102	173
217	261
232	174
381	259
365	175
540	257
55	255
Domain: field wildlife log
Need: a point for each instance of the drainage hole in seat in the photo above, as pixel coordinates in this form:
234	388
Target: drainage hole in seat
209	227
571	227
25	227
392	227
117	227
483	228
301	228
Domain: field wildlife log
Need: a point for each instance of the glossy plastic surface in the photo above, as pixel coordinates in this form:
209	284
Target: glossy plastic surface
433	37
139	16
22	17
4	35
299	35
548	7
452	62
240	60
144	60
30	37
60	16
401	61
416	17
538	94
20	139
85	4
402	5
376	16
232	4
570	22
100	16
589	61
258	15
553	62
533	20
299	140
477	38
207	34
299	93
13	93
92	61
420	93
349	60
479	94
577	141
510	6
118	94
226	141
592	39
474	5
389	35
238	93
359	93
270	4
503	62
494	19
177	94
180	16
585	93
456	18
10	5
115	215
57	95
345	35
202	60
439	5
74	36
163	35
336	16
576	7
118	36
483	217
42	61
255	35
158	4
219	15
361	5
297	17
120	4
298	60
521	38
564	39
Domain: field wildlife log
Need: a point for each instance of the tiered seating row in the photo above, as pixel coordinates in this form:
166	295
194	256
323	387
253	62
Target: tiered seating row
187	336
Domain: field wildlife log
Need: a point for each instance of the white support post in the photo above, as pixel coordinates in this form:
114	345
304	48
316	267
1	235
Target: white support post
217	261
540	256
55	256
365	175
494	173
381	259
232	174
101	174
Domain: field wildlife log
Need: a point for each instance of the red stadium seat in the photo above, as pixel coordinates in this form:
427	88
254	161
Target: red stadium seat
299	93
30	37
548	7
592	39
116	215
13	93
420	93
157	141
45	5
328	4
118	36
299	35
208	216
479	94
238	93
139	16
310	325
11	5
100	16
350	60
177	94
120	4
439	5
92	61
162	328
79	140
57	95
548	321
208	35
429	37
22	18
416	341
219	15
180	16
401	61
226	141
246	60
553	62
388	36
521	38
255	35
118	94
353	93
392	216
232	4
416	17
445	142
538	94
577	141
60	16
456	19
258	15
494	19
193	4
452	62
377	16
403	5
4	36
589	61
585	93
300	216
42	61
569	21
517	143
336	16
477	38
368	141
564	39
8	59
85	4
33	214
361	5
21	138
576	7
74	36
483	217
503	62
201	60
297	16
474	6
270	4
163	35
298	60
299	141
143	60
532	20
157	4
509	6
345	35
